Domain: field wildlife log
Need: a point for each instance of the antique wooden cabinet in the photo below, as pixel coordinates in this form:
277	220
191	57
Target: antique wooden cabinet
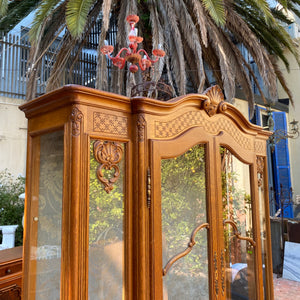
144	199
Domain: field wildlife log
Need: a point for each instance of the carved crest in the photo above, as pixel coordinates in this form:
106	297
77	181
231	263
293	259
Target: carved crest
108	154
215	103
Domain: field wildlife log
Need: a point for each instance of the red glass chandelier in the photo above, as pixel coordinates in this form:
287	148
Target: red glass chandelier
132	55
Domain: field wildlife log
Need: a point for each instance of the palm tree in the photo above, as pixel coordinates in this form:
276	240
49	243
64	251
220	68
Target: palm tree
194	33
12	12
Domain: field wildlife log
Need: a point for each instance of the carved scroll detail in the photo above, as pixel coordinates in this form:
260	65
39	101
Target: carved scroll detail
108	154
76	118
186	251
141	124
215	103
260	170
11	292
216	274
223	271
238	234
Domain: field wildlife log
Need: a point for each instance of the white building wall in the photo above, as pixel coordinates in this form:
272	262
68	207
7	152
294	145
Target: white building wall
293	80
13	136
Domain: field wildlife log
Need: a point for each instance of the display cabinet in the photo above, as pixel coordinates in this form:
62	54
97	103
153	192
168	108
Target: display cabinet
135	198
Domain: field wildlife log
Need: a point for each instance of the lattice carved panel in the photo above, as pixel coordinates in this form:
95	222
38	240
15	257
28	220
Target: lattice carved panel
260	147
191	119
107	123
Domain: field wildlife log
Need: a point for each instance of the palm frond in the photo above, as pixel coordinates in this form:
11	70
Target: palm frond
102	74
216	10
224	53
157	38
42	15
239	27
281	79
76	15
264	8
200	20
3	7
175	43
117	74
192	38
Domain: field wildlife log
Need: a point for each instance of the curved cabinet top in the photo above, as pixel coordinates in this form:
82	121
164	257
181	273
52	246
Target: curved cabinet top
169	118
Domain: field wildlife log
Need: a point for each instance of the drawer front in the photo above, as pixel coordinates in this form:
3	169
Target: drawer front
10	268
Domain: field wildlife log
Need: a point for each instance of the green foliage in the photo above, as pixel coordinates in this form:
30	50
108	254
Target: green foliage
106	210
15	12
76	15
43	13
11	207
216	10
183	208
3	7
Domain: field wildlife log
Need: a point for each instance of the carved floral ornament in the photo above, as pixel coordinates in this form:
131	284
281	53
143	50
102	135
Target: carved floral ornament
215	102
260	170
108	154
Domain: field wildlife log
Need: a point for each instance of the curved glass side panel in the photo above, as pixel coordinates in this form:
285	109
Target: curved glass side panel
106	212
48	248
183	201
238	229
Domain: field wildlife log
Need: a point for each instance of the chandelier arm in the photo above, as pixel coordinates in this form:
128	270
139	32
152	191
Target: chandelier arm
141	66
123	49
145	52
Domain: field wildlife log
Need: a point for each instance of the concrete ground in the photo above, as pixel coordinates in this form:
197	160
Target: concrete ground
286	289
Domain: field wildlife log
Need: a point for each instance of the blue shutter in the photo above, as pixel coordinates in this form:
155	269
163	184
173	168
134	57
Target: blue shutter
282	176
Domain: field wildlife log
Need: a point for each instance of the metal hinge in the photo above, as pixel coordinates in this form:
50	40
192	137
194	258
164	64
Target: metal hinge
148	188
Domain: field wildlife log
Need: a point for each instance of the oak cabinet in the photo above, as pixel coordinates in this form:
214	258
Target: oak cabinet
143	199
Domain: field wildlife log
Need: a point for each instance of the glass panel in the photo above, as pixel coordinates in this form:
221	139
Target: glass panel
237	211
106	212
262	214
48	251
183	196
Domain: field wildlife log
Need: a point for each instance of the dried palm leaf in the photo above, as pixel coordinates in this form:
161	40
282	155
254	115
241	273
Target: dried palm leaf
157	38
199	19
175	44
226	60
281	79
192	39
237	25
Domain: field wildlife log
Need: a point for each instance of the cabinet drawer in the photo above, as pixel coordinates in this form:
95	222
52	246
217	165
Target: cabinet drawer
10	268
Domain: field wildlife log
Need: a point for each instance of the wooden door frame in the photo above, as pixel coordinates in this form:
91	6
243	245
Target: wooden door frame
160	149
224	139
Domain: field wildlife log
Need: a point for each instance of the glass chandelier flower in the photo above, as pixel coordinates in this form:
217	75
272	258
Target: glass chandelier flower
131	54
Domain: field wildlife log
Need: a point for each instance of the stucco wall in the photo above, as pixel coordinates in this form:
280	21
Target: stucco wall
293	80
13	136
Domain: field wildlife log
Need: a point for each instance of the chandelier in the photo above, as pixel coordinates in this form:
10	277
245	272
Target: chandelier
131	54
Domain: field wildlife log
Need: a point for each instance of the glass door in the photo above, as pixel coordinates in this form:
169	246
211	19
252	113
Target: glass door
182	234
184	223
46	217
238	227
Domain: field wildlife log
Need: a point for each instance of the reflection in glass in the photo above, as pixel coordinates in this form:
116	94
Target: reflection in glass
237	207
262	212
106	247
183	196
48	251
